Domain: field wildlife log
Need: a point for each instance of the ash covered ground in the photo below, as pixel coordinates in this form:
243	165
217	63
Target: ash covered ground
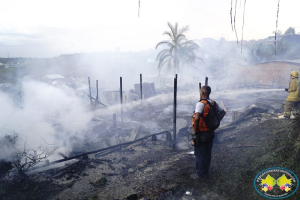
252	140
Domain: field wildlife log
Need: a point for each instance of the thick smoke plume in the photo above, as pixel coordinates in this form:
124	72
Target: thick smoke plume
48	116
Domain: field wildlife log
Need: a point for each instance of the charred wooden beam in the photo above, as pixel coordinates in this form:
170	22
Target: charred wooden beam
114	120
111	147
96	161
68	167
141	86
100	161
121	99
62	155
110	166
103	153
99	102
174	111
90	92
97	97
154	138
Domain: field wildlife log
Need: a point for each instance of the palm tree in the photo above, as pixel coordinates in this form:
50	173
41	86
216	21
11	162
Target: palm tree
187	53
180	50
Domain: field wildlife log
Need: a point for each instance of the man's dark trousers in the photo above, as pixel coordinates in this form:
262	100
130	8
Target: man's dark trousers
203	153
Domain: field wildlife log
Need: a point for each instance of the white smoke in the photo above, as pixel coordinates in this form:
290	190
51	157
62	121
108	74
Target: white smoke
43	106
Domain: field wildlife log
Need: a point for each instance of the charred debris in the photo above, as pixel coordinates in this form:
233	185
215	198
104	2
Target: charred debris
138	142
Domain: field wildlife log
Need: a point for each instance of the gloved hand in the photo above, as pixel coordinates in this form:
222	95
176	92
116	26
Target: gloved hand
286	89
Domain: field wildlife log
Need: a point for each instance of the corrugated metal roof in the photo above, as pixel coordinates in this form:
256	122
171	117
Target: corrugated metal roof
54	76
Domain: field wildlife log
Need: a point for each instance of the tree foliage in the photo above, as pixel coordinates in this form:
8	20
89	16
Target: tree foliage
290	30
262	52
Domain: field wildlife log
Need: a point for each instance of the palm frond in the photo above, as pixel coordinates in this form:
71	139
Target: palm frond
162	58
164	42
179	36
200	59
169	65
172	29
162	64
169	34
176	28
162	53
181	39
184	29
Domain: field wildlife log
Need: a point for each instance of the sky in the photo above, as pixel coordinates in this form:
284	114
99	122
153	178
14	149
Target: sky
43	28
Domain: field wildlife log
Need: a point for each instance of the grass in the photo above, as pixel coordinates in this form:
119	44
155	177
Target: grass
236	168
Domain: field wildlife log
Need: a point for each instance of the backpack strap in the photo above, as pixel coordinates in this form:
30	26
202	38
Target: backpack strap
207	102
212	105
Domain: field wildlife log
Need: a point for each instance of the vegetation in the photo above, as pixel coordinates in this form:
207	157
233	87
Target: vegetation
29	157
275	144
8	75
21	158
261	51
290	30
179	51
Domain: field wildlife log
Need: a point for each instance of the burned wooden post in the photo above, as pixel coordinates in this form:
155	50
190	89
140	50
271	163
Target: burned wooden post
174	111
187	139
141	86
169	138
90	92
206	81
97	97
114	120
235	115
121	99
20	98
154	138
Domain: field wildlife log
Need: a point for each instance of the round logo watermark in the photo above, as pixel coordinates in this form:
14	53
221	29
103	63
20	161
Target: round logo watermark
276	183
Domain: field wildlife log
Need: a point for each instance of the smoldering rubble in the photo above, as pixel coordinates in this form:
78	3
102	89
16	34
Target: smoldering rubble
101	157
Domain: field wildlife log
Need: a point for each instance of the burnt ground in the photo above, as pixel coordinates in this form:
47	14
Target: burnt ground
154	170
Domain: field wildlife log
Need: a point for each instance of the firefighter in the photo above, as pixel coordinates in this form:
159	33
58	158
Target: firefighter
293	98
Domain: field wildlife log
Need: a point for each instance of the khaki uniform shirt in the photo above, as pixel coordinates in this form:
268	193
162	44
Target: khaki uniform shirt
294	90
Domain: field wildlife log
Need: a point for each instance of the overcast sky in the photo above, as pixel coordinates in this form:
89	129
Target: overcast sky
44	28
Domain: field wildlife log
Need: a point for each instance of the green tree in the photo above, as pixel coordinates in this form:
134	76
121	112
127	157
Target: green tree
179	49
290	30
262	52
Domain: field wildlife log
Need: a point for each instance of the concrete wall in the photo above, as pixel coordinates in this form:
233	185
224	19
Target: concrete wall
265	73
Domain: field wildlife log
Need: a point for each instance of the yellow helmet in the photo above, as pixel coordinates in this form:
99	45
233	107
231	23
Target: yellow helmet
294	74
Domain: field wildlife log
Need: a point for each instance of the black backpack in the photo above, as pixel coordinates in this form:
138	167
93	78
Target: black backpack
212	119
